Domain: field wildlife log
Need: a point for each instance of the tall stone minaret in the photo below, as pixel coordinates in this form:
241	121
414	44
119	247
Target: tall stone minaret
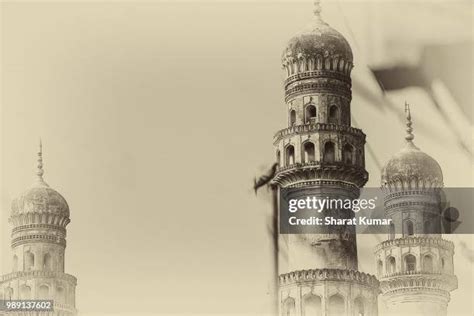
415	264
39	217
320	154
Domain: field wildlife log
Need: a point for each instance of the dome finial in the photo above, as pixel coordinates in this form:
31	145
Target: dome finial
317	9
409	136
40	170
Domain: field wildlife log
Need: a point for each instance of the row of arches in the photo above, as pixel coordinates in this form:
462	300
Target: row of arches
428	265
310	114
294	66
312	305
43	292
409	228
29	262
349	154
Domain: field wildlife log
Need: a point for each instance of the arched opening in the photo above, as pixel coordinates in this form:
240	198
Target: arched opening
379	268
292	117
312	305
310	114
359	307
392	231
391	265
60	295
308	153
29	260
359	158
278	157
47	262
336	305
290	155
43	292
409	230
15	263
329	154
427	227
8	293
333	115
410	263
443	264
428	264
289	307
25	292
347	154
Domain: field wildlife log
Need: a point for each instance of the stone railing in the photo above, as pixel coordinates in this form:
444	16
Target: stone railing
416	241
64	307
298	129
317	74
412	272
38	274
329	275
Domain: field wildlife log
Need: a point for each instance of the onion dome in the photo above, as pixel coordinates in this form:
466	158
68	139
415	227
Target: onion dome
41	199
317	47
411	167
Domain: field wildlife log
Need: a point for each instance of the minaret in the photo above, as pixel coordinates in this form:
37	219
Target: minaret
320	154
415	264
39	218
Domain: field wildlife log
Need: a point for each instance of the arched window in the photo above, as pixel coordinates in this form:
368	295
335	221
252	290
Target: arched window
278	157
47	262
379	268
289	307
347	153
8	293
443	264
29	260
336	305
292	117
15	263
290	155
409	231
312	305
410	263
25	292
391	265
60	295
428	264
43	292
308	152
359	307
329	152
359	158
310	114
333	115
427	227
392	231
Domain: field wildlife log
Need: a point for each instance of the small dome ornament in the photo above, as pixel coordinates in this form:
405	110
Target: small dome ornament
411	168
40	171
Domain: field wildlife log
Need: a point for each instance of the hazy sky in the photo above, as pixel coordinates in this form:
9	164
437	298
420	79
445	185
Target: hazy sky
155	117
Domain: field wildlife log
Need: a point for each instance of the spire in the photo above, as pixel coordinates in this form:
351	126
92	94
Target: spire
317	10
40	170
409	136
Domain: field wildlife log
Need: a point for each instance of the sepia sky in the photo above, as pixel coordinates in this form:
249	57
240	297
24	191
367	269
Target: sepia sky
155	117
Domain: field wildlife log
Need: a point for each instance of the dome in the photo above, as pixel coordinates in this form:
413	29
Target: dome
318	40
411	164
40	199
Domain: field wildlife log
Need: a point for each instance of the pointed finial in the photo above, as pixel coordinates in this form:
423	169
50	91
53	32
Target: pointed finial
40	170
317	9
409	136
